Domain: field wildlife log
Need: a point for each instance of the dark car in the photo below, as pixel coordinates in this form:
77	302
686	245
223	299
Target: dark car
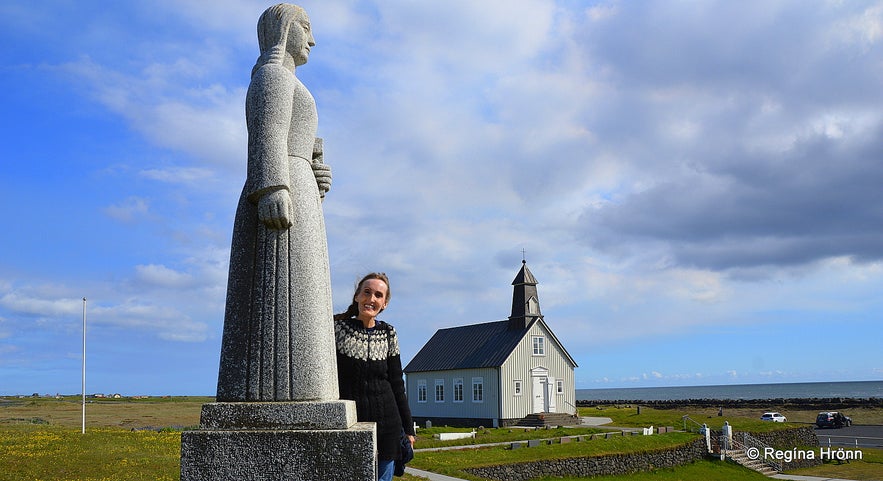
832	419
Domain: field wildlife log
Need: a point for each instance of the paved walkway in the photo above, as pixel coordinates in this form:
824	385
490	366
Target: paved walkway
794	477
441	477
430	476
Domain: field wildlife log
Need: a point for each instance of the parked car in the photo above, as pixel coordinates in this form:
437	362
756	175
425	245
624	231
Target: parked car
832	419
774	417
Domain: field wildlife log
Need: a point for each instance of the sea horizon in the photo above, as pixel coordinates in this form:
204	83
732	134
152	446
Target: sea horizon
794	390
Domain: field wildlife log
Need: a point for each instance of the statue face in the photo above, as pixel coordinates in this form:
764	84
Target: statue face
300	39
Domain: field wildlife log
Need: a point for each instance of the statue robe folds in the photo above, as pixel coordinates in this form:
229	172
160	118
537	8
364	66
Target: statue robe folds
278	328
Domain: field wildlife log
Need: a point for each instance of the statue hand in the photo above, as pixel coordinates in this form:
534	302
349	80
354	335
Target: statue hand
323	177
274	210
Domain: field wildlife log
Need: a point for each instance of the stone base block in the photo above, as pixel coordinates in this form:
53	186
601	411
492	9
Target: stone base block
337	414
290	455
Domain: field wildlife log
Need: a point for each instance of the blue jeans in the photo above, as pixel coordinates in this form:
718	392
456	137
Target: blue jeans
385	469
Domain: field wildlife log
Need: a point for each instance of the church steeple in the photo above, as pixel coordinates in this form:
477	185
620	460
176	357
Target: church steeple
525	301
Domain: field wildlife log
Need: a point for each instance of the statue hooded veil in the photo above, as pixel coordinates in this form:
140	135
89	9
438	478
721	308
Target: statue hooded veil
278	329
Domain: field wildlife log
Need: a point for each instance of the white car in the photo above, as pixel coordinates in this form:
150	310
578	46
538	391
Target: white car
774	417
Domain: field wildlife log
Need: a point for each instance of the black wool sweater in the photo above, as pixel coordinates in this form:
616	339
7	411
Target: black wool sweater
369	372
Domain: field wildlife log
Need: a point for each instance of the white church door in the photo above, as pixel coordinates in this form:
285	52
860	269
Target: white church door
543	391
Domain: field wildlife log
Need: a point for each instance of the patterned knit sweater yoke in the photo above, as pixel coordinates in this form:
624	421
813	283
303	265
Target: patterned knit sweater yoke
369	372
357	342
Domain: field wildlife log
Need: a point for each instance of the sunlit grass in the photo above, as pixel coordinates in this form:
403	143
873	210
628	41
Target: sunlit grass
870	467
40	440
39	452
425	437
704	470
453	463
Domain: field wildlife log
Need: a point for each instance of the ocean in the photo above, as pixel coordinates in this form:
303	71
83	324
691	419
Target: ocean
802	390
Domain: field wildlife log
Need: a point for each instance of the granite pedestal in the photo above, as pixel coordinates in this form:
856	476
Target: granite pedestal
275	441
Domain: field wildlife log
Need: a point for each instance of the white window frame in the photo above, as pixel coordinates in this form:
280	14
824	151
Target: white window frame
458	390
538	344
478	389
421	391
439	390
519	388
533	305
559	386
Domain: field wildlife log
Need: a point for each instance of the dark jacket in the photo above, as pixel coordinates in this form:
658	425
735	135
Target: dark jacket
369	372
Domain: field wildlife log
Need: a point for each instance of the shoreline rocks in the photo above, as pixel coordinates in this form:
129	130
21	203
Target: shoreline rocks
799	403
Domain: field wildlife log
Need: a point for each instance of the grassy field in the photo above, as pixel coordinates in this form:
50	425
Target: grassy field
452	463
740	419
106	413
46	452
699	471
40	439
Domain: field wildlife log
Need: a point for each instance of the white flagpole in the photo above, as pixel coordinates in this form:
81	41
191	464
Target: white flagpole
84	365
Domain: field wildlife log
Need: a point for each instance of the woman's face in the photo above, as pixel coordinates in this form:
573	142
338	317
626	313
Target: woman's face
300	39
371	298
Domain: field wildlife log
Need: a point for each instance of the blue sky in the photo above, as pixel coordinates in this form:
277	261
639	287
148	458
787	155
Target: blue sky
696	185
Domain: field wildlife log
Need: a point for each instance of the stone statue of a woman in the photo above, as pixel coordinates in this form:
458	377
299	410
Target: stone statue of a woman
278	340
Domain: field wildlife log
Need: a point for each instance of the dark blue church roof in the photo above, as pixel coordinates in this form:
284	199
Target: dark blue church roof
467	347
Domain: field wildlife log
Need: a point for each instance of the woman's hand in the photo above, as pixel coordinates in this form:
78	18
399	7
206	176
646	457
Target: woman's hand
412	439
274	210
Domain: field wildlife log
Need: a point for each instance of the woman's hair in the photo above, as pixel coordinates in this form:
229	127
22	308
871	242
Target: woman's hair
273	29
353	309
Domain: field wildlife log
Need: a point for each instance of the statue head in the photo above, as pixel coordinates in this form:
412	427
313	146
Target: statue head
284	29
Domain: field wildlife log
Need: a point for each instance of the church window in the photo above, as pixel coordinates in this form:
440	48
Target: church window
421	391
539	346
439	390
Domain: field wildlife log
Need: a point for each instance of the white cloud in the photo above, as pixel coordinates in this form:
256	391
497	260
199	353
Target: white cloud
864	28
165	321
51	307
182	175
162	276
668	168
3	332
104	308
204	122
129	210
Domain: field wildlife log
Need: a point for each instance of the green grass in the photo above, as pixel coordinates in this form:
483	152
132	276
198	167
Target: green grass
453	462
40	439
32	452
741	420
125	413
704	470
496	435
870	467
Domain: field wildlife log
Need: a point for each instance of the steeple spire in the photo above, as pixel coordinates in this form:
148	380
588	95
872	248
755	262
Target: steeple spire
525	300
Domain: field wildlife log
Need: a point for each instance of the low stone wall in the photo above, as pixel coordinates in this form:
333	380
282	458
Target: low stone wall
788	438
614	464
792	442
821	404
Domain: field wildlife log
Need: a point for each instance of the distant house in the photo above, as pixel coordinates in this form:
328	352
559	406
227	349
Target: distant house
495	373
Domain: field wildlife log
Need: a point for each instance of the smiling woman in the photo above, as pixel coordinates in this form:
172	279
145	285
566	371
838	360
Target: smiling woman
369	369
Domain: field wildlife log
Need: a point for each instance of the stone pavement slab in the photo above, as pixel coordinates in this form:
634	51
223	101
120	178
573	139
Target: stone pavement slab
794	477
594	421
430	476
